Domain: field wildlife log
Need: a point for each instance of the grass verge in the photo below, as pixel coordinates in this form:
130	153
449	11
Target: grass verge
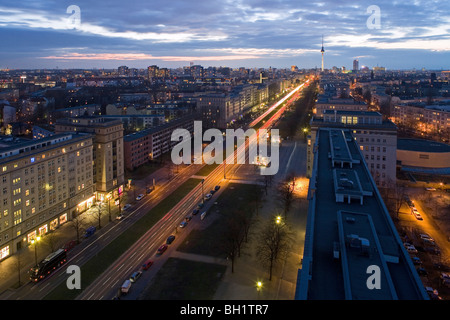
181	279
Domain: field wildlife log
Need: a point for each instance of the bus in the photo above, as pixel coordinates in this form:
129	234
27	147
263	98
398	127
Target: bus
48	265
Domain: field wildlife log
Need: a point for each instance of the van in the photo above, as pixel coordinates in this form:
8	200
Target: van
125	286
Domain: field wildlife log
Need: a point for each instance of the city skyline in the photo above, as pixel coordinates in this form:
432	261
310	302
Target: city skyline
232	33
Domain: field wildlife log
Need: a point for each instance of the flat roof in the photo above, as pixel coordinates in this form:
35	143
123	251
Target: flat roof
324	277
422	145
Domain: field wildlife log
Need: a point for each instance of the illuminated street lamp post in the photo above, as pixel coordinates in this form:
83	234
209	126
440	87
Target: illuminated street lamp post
259	285
35	241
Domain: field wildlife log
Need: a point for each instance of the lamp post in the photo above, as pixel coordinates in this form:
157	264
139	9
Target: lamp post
35	241
259	285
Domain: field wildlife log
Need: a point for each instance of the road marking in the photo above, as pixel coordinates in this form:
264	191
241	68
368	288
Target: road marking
290	158
106	281
120	267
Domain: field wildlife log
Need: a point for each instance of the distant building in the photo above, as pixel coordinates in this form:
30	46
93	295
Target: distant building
355	65
423	156
143	146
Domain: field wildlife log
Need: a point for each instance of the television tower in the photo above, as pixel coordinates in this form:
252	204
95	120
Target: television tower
322	50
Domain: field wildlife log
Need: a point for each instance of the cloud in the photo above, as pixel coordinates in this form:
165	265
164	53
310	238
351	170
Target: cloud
40	20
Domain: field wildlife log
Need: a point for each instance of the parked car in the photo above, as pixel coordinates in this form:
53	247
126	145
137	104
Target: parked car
70	245
208	196
125	286
421	271
135	276
416	260
416	214
188	218
411	249
149	190
120	217
162	249
183	224
126	207
217	188
139	197
433	250
196	211
430	189
147	264
424	236
170	239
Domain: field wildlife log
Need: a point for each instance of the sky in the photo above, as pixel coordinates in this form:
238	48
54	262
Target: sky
234	33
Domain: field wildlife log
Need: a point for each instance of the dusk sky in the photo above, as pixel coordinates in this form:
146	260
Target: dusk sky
233	33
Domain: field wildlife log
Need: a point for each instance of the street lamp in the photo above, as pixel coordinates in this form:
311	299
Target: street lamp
259	286
35	241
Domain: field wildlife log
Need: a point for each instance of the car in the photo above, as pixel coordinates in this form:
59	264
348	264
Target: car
430	189
196	211
421	271
127	206
442	267
183	224
139	197
188	218
89	231
200	205
162	249
70	245
425	236
411	249
217	188
212	191
433	293
416	214
433	250
147	264
120	217
135	276
208	196
416	260
148	190
170	239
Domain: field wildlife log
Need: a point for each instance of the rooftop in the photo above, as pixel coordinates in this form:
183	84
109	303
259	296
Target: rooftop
349	229
422	145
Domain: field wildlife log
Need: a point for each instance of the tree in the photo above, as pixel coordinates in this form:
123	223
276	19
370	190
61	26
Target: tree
274	243
77	224
394	196
285	194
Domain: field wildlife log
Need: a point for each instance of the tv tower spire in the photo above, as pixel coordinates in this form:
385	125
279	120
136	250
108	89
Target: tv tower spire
322	50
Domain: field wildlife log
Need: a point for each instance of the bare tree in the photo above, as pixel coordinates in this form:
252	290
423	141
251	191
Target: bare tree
285	194
77	224
98	215
274	243
50	240
394	196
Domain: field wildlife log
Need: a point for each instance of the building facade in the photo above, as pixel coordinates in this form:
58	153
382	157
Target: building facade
108	151
377	140
44	183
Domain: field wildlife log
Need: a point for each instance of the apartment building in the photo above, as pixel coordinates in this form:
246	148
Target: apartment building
332	103
427	119
108	151
377	140
143	146
44	184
